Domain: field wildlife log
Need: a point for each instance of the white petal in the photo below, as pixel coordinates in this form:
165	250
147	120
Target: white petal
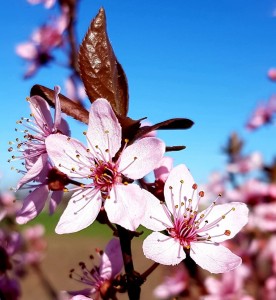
232	223
126	206
163	249
180	192
104	129
140	158
81	211
34	171
214	257
155	216
69	155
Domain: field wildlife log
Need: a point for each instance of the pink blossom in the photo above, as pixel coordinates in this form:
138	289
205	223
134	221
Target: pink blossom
263	114
162	171
270	288
124	202
98	278
264	217
33	147
8	206
47	3
272	74
37	51
173	284
189	230
246	164
229	287
9	288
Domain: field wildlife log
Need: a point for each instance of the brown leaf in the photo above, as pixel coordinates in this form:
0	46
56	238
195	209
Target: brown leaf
69	107
176	123
101	73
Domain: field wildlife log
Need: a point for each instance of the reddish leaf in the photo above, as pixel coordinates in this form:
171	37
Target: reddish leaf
69	107
101	73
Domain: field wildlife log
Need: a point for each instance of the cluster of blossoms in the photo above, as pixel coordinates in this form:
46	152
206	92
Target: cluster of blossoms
102	177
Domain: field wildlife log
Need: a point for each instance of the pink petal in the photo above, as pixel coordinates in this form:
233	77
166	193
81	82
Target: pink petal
163	170
126	206
214	257
112	260
140	158
154	217
55	200
27	50
32	205
185	189
163	249
233	221
41	113
65	155
213	285
34	171
81	211
104	129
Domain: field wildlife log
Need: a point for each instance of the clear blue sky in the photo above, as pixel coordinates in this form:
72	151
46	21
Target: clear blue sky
204	59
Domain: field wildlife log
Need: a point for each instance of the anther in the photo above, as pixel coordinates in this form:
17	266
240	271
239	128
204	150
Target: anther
227	232
194	186
181	181
201	194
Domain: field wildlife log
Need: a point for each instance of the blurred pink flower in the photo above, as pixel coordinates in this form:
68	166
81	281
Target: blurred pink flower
124	203
98	278
47	3
188	229
263	217
270	288
73	93
272	74
173	284
8	205
246	164
263	114
37	51
9	288
229	286
252	192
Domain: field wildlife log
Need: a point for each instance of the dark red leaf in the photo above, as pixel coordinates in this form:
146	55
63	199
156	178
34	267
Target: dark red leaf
101	73
69	107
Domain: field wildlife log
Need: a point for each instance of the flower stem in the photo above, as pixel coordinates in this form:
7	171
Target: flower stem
133	279
149	270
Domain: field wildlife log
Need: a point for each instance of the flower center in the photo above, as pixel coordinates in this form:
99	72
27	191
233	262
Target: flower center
105	175
184	230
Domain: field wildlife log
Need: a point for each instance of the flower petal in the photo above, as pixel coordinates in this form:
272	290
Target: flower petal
41	112
126	205
231	224
164	168
69	155
104	129
81	211
154	217
214	258
140	158
176	192
56	198
112	260
163	249
34	171
32	205
57	118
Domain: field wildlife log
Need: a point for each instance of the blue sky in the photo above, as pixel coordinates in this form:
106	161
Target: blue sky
204	59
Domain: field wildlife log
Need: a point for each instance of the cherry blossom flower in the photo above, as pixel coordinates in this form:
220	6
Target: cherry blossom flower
111	173
187	229
33	147
264	217
272	74
246	164
8	206
173	284
47	3
99	278
263	114
37	51
229	287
